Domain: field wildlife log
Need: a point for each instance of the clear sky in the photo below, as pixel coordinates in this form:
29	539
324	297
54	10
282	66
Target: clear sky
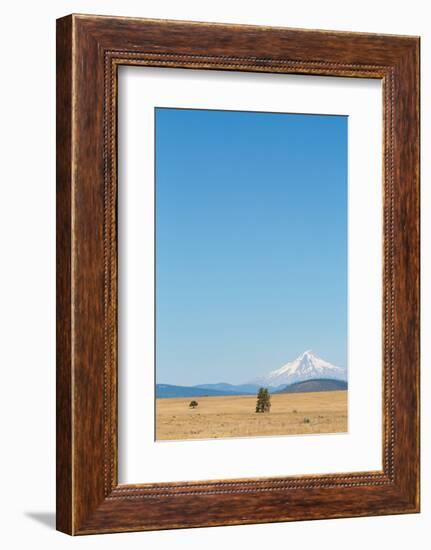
251	242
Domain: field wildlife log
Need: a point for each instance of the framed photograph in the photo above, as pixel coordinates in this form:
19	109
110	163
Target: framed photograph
237	274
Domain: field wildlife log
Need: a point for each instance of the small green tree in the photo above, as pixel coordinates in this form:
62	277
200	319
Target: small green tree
193	404
263	403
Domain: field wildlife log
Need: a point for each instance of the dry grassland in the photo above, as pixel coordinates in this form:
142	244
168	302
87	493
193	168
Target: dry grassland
217	417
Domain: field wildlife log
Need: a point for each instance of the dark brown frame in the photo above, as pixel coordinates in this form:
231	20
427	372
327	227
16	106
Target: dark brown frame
89	50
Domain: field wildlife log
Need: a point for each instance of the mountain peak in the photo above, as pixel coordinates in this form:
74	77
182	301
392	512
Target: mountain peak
305	367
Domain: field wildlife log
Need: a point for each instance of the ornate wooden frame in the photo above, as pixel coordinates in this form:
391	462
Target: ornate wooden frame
89	51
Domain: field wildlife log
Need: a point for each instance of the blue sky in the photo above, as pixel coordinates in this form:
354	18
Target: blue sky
251	242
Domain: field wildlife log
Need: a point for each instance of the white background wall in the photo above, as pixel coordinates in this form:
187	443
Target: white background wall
27	244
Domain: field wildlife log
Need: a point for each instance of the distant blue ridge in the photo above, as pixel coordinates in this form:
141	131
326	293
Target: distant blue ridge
224	389
168	390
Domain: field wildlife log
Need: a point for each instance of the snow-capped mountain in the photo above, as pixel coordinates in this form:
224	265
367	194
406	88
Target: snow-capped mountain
305	367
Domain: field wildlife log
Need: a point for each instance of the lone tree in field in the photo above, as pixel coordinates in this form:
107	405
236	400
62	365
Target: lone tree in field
193	404
263	401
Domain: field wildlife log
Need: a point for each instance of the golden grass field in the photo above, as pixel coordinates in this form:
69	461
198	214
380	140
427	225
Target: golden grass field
216	417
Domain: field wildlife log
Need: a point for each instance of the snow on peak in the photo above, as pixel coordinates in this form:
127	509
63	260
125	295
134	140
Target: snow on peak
305	367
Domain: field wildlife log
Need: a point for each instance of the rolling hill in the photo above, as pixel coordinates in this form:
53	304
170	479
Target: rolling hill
317	385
